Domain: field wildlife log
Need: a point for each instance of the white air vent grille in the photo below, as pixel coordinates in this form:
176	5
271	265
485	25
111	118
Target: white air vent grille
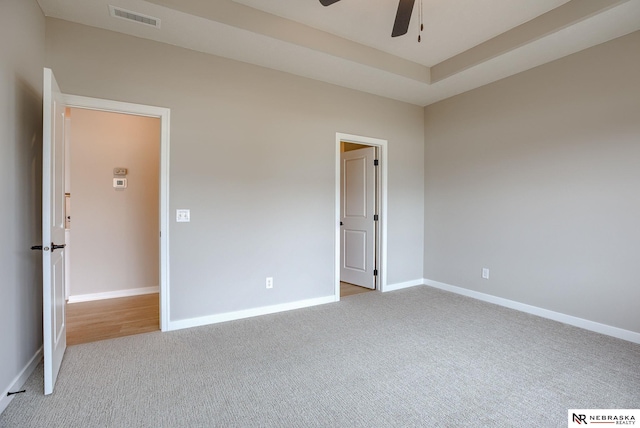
129	15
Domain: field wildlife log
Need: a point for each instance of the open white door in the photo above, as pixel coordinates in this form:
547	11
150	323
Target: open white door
53	252
358	207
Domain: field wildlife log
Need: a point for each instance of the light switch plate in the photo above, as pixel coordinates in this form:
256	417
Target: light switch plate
183	216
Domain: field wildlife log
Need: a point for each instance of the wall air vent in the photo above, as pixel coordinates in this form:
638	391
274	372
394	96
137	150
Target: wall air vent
118	12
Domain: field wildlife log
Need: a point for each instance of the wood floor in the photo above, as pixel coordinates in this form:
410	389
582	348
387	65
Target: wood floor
110	318
347	289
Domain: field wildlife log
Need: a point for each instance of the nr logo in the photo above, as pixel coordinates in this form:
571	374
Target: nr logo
580	419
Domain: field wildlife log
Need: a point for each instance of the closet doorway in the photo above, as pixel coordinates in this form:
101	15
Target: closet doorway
360	214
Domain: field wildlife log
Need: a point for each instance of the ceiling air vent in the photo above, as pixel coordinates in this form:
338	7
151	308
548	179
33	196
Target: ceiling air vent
129	15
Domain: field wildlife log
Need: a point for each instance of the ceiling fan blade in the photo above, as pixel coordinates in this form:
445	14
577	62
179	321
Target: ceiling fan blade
403	16
328	2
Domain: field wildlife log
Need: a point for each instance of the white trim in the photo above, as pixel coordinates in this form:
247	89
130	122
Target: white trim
248	313
114	106
383	146
608	330
164	114
20	380
406	284
113	294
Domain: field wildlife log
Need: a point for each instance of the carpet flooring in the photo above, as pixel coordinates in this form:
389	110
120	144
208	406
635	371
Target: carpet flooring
417	357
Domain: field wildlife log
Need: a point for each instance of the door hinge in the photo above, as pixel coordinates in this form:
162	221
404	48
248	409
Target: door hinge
375	162
375	272
375	217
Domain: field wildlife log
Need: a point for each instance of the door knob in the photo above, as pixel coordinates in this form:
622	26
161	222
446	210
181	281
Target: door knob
37	247
56	247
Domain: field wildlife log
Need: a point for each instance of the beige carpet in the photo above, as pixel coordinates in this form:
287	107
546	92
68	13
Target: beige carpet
414	357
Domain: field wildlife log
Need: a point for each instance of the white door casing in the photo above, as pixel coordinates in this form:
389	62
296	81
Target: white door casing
53	231
358	207
383	149
164	114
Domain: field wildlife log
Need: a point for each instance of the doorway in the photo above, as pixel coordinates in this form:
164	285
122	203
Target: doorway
112	189
54	103
361	205
151	299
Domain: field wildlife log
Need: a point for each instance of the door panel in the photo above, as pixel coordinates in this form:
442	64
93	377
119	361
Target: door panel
53	205
356	244
58	297
355	187
357	216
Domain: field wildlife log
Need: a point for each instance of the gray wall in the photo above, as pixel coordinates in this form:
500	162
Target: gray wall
20	193
253	157
114	233
536	177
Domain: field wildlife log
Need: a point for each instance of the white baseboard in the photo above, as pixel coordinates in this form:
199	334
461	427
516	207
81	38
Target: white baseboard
401	285
113	294
248	313
20	380
608	330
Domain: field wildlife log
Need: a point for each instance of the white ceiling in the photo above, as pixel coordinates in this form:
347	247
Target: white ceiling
465	43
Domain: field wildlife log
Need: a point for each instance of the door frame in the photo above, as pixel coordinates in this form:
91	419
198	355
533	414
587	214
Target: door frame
382	223
162	113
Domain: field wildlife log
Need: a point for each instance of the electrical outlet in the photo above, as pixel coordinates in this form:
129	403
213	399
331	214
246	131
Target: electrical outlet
269	282
485	273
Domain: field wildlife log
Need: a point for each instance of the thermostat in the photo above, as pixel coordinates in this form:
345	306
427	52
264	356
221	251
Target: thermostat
119	183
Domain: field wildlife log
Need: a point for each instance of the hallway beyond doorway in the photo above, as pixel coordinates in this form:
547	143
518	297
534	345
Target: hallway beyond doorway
111	318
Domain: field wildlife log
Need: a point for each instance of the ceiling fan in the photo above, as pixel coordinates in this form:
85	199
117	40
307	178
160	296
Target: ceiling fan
403	16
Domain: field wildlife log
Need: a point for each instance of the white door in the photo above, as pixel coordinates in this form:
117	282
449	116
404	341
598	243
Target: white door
358	207
53	239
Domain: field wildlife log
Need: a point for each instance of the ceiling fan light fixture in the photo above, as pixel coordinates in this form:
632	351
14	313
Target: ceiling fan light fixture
403	16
